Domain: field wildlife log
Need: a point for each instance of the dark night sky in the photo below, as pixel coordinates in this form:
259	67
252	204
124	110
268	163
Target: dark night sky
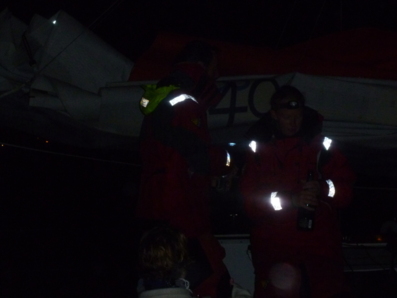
131	26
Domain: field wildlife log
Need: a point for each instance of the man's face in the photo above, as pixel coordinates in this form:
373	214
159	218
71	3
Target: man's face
289	121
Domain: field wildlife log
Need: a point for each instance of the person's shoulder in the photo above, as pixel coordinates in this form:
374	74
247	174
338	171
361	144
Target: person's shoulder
261	130
319	141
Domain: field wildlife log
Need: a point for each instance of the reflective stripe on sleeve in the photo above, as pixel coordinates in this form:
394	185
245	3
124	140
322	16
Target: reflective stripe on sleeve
181	98
252	145
327	143
331	188
144	102
275	201
228	159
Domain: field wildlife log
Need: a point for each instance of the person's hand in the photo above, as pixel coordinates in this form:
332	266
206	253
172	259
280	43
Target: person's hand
308	196
224	183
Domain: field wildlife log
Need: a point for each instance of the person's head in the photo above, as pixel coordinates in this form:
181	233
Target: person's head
163	254
200	52
287	110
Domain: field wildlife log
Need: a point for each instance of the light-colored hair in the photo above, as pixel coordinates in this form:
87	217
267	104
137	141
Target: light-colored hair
163	254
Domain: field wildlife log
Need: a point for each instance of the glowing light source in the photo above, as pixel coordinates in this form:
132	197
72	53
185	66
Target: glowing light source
275	201
54	22
252	145
327	143
331	188
232	144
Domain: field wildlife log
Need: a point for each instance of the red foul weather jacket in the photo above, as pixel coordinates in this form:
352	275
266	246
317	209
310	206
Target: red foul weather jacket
277	167
178	159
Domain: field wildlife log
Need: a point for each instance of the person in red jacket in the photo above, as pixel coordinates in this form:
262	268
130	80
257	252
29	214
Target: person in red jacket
288	147
179	160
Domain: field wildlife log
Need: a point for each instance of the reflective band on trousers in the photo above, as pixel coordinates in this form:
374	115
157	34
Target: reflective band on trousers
275	201
331	188
181	98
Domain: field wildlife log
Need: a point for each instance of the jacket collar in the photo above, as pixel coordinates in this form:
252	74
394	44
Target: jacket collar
265	130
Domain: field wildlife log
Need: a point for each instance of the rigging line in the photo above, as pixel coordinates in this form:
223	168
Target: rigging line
78	36
4	68
340	15
28	50
106	12
285	25
318	18
69	155
376	188
347	263
312	33
374	260
14	90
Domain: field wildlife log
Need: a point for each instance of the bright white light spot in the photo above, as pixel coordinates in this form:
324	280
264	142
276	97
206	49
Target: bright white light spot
54	22
331	187
275	201
252	145
232	144
228	159
327	143
144	102
181	98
